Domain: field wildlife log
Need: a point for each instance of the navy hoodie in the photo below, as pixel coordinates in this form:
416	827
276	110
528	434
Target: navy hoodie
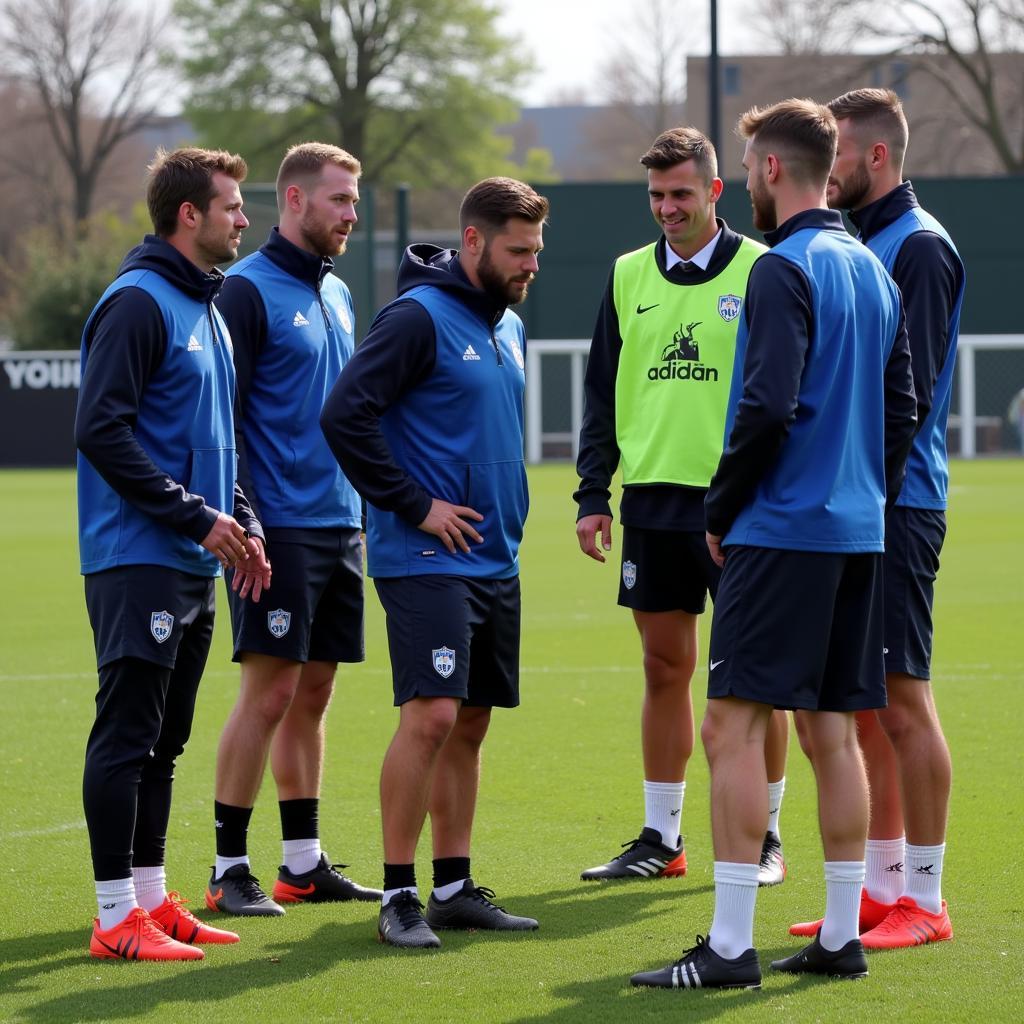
154	430
431	406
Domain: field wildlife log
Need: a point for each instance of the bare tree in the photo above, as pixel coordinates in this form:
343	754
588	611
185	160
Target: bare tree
971	50
92	66
795	27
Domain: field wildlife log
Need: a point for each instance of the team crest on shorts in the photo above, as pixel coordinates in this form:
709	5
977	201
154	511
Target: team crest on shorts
278	622
629	574
729	307
160	625
444	661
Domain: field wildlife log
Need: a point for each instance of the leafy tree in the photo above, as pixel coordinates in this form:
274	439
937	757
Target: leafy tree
412	87
62	279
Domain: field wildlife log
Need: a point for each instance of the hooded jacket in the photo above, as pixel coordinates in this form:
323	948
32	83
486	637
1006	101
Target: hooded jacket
154	430
431	406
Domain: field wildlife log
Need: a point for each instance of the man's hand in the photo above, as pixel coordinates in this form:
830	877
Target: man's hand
715	548
252	576
448	522
227	541
587	530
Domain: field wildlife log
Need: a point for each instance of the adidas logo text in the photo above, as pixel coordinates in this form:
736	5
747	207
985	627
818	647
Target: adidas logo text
469	354
194	345
299	320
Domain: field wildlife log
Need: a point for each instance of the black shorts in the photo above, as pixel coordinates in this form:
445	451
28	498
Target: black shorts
913	541
453	636
314	608
666	571
799	629
148	612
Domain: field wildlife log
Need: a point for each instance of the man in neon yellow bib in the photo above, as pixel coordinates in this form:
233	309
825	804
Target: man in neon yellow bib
656	389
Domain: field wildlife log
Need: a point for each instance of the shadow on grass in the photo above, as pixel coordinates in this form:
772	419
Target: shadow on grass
613	998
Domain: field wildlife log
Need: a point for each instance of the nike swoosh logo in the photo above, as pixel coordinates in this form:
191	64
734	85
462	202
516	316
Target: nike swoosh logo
643	309
715	665
675	812
294	890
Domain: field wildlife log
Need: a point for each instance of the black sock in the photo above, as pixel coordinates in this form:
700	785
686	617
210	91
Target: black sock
450	869
232	826
300	819
399	876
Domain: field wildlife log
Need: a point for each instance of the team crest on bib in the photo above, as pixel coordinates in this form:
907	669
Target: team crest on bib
278	622
345	319
517	353
629	574
160	625
729	307
444	661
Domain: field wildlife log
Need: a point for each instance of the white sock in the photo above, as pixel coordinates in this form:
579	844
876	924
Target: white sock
663	809
150	886
775	791
390	894
732	929
116	900
223	863
883	858
301	855
844	880
924	876
446	892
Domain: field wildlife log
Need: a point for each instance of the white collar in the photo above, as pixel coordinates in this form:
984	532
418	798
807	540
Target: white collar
700	259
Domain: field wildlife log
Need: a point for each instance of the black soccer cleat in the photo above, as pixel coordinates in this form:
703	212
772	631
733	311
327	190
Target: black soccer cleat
471	907
322	884
643	857
401	924
238	891
848	963
772	869
702	967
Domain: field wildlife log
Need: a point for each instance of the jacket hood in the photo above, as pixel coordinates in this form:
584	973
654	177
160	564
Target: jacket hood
161	257
424	263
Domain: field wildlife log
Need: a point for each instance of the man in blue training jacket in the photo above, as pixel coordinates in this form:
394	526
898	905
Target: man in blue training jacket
427	422
156	470
822	415
292	323
905	752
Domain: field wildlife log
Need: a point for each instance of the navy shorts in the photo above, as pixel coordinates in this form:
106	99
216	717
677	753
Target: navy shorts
313	610
666	571
799	629
149	612
913	541
453	636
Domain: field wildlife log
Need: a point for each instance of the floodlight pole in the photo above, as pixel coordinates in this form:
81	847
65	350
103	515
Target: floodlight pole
714	99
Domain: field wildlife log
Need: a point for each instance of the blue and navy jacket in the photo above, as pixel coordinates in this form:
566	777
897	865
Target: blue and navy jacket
156	449
923	261
822	408
431	406
292	324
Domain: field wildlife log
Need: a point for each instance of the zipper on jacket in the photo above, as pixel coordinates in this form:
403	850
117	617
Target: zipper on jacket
497	350
213	323
323	311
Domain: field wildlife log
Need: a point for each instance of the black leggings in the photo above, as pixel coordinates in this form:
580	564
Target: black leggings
143	720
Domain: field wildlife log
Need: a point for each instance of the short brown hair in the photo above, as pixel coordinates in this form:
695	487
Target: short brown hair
303	163
803	131
678	145
186	176
491	203
876	112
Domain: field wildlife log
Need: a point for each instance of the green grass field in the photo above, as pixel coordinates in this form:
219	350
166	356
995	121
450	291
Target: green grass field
561	790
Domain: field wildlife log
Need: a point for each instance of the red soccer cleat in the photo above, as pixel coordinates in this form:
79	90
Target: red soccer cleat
907	924
872	913
184	926
138	937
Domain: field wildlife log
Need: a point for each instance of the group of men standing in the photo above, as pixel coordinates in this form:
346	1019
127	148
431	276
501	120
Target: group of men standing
203	392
